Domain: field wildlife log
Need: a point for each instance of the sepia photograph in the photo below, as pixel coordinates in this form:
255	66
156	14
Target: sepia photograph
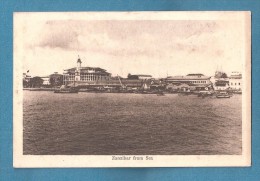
132	89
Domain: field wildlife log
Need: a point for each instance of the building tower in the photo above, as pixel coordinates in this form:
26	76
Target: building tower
78	64
77	72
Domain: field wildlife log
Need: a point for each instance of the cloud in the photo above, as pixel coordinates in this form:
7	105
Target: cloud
121	37
127	46
58	36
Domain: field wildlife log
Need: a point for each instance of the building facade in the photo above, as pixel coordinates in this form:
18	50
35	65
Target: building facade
85	75
139	76
195	79
46	80
235	81
220	81
221	84
189	82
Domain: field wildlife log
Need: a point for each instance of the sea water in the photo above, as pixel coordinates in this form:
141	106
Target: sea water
130	124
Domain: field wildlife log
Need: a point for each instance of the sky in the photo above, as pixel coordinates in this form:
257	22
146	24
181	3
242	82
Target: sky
155	47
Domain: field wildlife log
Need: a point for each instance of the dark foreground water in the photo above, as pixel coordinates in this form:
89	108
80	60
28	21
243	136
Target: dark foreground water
132	124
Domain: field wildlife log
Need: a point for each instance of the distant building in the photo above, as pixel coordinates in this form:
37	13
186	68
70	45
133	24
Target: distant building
26	80
220	81
194	81
26	77
46	80
221	84
235	81
85	75
180	87
139	76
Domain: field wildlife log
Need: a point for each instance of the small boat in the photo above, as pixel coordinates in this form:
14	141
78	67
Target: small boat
223	95
204	94
237	92
65	90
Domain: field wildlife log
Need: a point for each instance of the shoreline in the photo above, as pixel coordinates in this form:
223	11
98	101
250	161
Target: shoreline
39	89
118	92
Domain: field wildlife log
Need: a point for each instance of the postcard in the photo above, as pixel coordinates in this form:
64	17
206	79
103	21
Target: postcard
132	89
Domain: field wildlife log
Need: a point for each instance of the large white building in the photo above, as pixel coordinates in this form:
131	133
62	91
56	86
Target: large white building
193	81
46	80
235	81
85	75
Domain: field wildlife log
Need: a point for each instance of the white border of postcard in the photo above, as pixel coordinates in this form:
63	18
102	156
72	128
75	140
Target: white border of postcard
28	161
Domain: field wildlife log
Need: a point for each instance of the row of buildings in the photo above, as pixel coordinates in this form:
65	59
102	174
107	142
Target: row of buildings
52	80
86	77
202	82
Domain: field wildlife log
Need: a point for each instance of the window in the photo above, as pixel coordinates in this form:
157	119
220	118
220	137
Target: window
235	83
238	83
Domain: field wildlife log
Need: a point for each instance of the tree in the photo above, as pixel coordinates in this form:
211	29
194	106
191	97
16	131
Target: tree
224	75
132	77
25	83
56	80
36	81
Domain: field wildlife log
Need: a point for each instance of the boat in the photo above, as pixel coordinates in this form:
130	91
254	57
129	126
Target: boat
204	94
65	90
222	95
237	92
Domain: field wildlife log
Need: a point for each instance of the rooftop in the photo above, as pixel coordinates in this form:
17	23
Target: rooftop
141	75
87	69
190	77
198	74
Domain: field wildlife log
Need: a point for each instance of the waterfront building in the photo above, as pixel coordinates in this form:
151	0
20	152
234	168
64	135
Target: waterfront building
194	81
221	84
220	81
157	84
26	77
235	81
85	75
26	80
46	80
139	76
180	87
